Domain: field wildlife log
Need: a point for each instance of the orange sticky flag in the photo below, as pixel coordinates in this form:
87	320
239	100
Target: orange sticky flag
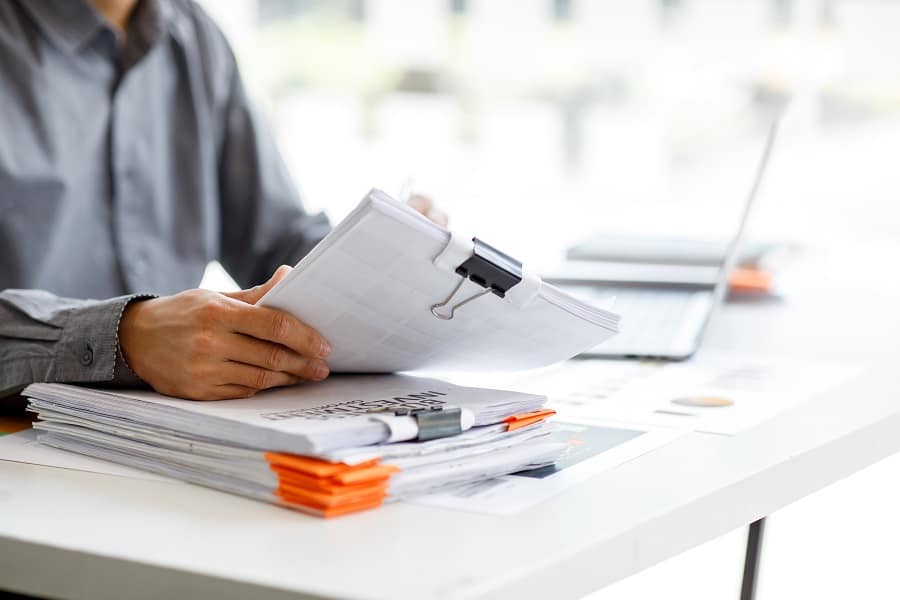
525	419
750	281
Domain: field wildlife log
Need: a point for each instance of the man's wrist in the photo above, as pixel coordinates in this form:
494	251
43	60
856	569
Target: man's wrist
124	375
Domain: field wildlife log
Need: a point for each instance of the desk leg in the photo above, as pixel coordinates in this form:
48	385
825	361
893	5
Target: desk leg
751	559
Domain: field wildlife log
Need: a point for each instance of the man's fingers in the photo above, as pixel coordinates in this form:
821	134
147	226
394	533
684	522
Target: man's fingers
425	206
421	203
257	378
255	294
278	327
274	357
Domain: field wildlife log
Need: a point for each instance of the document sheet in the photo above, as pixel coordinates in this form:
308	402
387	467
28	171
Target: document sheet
373	285
715	392
594	447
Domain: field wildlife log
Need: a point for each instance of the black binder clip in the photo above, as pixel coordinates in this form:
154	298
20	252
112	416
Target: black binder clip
493	270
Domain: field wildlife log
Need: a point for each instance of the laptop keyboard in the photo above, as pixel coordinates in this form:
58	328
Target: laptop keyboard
651	318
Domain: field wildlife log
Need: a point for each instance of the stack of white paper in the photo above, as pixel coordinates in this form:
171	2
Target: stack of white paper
318	448
390	291
386	289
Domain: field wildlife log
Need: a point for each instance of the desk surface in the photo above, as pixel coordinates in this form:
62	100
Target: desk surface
81	535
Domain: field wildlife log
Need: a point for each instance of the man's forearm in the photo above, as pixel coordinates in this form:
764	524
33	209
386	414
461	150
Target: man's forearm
46	338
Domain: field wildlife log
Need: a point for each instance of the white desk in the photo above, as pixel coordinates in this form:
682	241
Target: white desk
80	535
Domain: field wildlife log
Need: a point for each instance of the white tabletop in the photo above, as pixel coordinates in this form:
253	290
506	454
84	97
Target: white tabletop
81	535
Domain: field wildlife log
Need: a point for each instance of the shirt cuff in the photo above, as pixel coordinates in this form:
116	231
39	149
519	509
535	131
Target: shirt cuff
89	349
123	375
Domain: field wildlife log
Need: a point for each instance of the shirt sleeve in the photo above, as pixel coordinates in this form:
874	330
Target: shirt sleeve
264	224
46	338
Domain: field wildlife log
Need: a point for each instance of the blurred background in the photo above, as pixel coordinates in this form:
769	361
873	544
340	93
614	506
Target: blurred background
536	122
546	119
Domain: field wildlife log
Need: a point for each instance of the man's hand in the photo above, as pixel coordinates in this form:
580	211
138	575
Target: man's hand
425	206
205	345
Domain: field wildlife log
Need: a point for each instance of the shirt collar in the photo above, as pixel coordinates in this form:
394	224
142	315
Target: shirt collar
148	23
73	24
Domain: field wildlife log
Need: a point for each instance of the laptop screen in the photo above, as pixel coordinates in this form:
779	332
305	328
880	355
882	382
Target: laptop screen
732	252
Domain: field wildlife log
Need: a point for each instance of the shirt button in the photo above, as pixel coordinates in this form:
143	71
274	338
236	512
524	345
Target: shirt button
87	355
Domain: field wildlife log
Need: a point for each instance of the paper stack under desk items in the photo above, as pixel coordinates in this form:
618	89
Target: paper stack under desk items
339	446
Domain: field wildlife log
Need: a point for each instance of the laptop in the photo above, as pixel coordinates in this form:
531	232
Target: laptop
667	320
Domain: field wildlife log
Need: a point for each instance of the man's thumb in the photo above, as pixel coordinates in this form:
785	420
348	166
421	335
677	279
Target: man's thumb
254	294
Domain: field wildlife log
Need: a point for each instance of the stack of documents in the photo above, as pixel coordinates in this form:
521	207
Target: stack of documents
329	448
391	291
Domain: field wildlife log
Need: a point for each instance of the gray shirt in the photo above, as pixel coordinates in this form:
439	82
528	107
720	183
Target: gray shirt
125	167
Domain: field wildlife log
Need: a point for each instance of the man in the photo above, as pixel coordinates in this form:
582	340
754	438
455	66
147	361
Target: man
129	158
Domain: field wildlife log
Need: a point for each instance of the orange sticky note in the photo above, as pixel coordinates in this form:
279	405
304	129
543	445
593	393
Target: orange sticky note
316	500
312	466
525	419
324	485
373	473
750	281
